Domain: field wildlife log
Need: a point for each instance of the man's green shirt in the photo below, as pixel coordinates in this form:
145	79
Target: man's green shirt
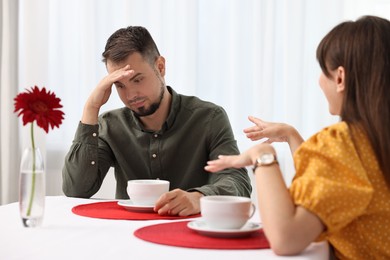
194	132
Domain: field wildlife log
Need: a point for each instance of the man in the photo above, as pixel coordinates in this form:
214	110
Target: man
159	134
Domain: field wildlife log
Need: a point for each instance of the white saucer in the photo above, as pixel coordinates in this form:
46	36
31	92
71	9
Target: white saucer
129	205
201	227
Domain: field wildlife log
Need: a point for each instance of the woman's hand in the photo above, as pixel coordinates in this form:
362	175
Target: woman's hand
274	132
247	158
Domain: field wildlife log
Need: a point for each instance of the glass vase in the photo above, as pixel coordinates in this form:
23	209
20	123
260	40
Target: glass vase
32	188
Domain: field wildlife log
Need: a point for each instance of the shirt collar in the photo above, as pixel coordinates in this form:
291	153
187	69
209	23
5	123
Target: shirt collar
175	106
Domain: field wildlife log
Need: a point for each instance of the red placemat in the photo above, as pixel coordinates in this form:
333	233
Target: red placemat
178	234
111	210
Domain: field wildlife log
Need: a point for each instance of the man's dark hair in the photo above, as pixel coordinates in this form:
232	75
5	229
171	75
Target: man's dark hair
127	41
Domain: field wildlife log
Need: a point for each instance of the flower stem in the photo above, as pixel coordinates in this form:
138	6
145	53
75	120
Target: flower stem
33	172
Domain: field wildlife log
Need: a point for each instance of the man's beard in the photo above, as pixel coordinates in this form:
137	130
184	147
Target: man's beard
143	111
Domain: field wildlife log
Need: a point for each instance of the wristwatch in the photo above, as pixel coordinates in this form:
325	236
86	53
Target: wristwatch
265	159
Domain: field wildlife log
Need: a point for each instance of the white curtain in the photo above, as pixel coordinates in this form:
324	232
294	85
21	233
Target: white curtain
9	144
253	57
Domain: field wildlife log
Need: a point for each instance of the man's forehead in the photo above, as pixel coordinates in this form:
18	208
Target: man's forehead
135	60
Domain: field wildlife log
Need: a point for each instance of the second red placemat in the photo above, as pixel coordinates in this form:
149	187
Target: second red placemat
178	234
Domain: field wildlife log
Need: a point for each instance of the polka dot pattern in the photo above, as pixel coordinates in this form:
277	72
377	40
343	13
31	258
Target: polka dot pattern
339	179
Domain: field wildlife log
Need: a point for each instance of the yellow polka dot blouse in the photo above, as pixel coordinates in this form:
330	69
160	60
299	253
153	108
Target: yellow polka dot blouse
338	179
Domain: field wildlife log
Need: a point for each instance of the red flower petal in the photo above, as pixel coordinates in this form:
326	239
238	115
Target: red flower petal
40	106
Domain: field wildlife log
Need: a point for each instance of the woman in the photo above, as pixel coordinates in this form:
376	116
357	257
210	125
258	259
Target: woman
341	190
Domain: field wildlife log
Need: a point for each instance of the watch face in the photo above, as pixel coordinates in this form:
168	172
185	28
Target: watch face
267	158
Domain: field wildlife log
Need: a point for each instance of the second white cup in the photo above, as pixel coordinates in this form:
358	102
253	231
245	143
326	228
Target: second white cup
226	212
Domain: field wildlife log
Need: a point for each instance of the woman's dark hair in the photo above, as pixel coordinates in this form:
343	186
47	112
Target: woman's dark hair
127	41
362	48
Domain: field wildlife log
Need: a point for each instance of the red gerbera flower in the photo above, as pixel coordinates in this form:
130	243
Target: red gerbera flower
41	106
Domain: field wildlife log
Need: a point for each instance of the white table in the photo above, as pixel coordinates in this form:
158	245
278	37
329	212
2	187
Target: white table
65	235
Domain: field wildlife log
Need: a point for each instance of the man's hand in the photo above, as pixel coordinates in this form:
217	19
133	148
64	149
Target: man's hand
101	94
178	202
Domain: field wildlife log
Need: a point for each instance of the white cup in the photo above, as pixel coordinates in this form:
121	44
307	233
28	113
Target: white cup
226	212
146	192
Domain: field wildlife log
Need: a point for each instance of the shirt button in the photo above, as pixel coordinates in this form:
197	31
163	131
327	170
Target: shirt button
154	155
93	162
94	134
156	135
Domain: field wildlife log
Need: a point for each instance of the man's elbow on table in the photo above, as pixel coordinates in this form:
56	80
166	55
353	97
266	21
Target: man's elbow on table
77	191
